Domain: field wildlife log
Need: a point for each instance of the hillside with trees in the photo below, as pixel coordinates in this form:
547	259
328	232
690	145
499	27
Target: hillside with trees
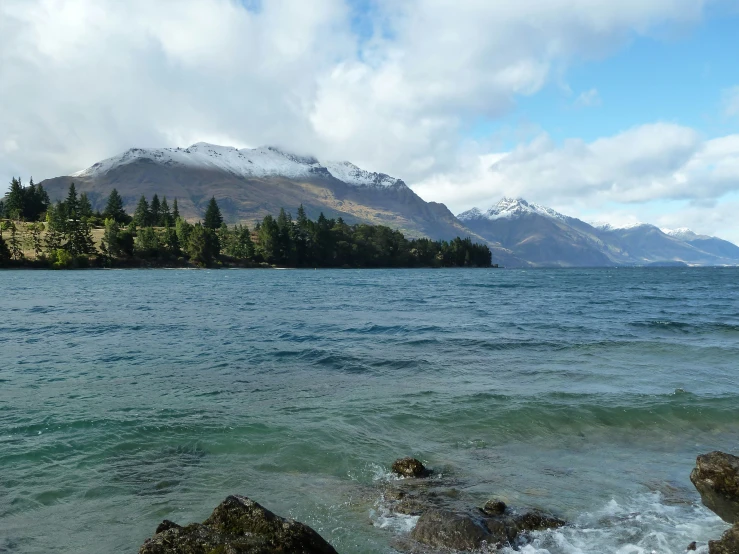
69	234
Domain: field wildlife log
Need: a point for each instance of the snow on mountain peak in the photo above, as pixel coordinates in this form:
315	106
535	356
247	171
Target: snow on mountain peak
510	208
265	161
610	227
682	233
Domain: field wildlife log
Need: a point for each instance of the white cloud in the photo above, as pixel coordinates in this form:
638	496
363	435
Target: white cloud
658	161
588	99
85	79
731	102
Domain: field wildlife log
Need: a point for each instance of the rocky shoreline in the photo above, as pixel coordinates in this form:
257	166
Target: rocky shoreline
447	521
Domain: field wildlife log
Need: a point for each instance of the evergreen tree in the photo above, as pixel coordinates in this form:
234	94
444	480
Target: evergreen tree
268	234
72	203
175	211
155	211
147	243
213	218
202	245
171	240
36	229
14	244
85	206
183	230
41	201
4	252
114	208
165	214
142	215
79	239
14	201
55	226
110	243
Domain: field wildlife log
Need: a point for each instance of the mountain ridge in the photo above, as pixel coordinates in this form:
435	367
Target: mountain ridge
250	183
546	237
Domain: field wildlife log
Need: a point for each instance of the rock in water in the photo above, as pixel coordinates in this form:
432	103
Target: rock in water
237	526
409	467
466	531
716	476
444	529
728	544
494	507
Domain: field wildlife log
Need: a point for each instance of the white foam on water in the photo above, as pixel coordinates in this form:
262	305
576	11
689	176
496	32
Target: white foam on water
641	525
383	518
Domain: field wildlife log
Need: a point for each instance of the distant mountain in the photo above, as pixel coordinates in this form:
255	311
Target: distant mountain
712	245
538	234
251	183
545	237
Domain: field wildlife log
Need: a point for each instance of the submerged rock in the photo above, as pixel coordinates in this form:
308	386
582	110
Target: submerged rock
409	467
716	476
728	544
237	526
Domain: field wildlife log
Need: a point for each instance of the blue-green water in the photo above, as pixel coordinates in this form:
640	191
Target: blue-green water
127	397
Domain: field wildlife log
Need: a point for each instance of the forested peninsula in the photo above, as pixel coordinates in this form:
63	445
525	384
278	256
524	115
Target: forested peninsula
69	234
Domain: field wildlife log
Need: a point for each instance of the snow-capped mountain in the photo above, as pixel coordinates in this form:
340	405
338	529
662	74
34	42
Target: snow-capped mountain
510	208
251	183
546	237
266	161
683	233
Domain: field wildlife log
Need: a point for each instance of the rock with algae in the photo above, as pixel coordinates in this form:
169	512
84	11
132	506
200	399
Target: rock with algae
237	526
716	476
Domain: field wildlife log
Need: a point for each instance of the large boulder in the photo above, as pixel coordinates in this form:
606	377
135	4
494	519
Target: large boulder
470	531
728	544
237	526
716	476
445	529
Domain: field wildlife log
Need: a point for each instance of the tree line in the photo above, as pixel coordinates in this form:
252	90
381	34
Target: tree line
61	235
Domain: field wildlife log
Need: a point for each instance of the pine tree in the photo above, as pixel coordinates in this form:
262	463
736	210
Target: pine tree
42	201
79	239
171	240
4	252
14	201
202	245
72	203
85	206
213	218
175	211
142	215
165	214
36	229
110	243
114	208
16	251
55	226
155	211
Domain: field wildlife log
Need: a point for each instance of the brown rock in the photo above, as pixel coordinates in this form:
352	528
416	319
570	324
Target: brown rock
237	526
445	529
409	467
716	476
494	507
728	544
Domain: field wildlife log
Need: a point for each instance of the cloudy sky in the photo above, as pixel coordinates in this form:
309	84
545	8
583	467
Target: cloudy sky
608	110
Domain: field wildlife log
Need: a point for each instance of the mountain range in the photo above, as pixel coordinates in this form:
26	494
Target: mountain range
250	183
